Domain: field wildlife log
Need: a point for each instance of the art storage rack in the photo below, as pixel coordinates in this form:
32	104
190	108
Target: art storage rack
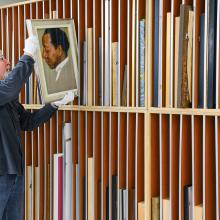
154	151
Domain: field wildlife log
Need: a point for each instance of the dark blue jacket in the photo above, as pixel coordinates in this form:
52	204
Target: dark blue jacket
14	118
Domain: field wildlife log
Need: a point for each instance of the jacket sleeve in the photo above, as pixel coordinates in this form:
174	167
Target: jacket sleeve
31	120
11	86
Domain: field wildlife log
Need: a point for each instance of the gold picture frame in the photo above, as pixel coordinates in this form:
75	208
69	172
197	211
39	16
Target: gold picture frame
56	64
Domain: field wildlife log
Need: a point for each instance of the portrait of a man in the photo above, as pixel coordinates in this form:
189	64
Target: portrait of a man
58	67
55	53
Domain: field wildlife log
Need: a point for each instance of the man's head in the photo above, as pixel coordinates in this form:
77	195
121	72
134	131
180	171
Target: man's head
4	67
55	46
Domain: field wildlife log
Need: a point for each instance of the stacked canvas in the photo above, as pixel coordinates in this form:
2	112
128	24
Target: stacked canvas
68	171
63	177
58	187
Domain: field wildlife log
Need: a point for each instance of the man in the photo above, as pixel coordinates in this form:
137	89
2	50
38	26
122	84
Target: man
55	53
13	119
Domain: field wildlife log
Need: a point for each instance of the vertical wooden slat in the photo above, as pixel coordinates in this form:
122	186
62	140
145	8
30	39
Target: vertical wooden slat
180	166
155	169
67	9
122	159
53	150
122	44
34	165
60	8
217	167
75	156
129	51
218	59
87	11
204	166
161	165
47	168
41	160
165	156
16	36
96	54
210	169
186	159
110	182
50	9
97	156
10	34
199	9
136	165
7	52
114	143
60	131
81	38
130	170
137	57
140	159
82	166
113	156
130	165
198	133
206	55
170	163
105	164
46	5
4	16
175	166
218	175
118	154
90	134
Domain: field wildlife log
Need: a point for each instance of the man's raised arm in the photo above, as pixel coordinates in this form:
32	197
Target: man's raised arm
11	85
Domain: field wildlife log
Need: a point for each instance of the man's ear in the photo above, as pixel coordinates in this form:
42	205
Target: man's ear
60	50
2	69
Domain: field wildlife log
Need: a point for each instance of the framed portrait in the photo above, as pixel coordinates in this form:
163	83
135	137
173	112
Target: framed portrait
57	57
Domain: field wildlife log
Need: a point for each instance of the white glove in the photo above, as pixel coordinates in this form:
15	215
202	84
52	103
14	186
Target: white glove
69	97
31	44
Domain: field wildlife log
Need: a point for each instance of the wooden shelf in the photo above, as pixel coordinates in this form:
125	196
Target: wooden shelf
92	108
181	111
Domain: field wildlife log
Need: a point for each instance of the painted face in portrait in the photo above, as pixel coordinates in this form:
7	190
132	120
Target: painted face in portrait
52	55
